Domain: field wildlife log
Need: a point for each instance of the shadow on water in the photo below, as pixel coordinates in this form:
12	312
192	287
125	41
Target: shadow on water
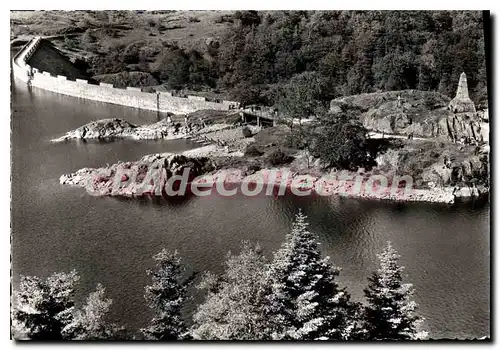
167	202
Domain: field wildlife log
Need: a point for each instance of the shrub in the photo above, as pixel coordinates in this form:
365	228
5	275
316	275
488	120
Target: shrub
246	132
431	101
253	151
247	18
89	42
253	168
224	18
340	141
278	157
124	79
435	154
149	89
131	52
81	64
107	64
70	44
172	67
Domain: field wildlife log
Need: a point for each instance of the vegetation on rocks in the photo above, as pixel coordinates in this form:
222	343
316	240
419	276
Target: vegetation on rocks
410	112
253	151
438	163
302	63
341	142
118	128
278	157
131	178
246	132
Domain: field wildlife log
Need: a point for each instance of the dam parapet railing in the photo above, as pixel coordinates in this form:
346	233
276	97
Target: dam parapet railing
136	97
20	68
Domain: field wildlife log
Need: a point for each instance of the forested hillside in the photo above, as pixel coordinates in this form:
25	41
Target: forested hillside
356	52
250	55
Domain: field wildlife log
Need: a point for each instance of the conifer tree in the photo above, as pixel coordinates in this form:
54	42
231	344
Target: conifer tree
305	302
42	308
166	296
88	323
233	309
390	314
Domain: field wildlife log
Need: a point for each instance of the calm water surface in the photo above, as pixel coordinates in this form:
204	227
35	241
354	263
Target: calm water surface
446	249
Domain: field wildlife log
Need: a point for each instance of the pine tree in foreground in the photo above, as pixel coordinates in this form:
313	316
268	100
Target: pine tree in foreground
45	310
233	309
88	323
305	302
390	314
166	296
42	308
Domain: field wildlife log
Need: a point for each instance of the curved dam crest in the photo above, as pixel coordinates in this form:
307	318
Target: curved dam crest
159	101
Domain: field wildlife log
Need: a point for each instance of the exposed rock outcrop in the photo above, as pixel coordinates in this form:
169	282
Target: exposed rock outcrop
144	177
119	128
132	179
412	112
465	170
225	136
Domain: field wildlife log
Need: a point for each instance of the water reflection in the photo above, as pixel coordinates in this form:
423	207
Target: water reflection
111	240
166	202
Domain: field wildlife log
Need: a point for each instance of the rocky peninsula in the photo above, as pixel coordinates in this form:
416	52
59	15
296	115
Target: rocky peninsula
150	176
434	151
112	128
222	133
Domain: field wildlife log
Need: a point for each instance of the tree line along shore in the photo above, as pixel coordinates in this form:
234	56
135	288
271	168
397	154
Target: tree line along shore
293	296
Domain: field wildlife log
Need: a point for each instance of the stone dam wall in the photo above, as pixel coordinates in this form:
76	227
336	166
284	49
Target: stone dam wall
130	96
20	69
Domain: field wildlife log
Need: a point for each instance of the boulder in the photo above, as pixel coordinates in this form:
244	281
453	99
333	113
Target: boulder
127	179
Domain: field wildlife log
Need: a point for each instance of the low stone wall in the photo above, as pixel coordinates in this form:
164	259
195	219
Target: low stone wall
20	69
130	97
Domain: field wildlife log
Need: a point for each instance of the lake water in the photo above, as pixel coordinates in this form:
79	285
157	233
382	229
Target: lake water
445	248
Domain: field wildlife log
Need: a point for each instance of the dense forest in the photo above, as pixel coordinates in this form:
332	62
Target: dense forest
354	52
256	53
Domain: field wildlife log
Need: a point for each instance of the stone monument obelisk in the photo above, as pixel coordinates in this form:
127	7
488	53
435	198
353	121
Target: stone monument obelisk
462	103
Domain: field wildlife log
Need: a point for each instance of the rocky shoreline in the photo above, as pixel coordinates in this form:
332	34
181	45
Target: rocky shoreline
118	128
133	179
223	158
227	136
